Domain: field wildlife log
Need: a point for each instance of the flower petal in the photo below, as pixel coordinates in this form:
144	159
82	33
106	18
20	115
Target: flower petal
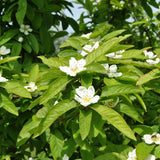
95	99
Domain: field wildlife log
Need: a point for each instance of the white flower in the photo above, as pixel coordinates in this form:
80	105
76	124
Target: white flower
86	96
74	66
132	156
25	29
89	48
86	35
31	87
1	57
20	39
4	50
55	102
154	138
149	54
152	62
112	70
3	79
30	158
65	157
116	54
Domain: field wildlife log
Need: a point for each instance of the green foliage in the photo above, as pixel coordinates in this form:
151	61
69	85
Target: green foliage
96	98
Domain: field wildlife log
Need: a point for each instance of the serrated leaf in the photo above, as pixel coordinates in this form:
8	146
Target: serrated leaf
33	73
121	89
155	73
55	112
115	119
56	144
8	105
85	118
22	8
143	150
55	87
101	50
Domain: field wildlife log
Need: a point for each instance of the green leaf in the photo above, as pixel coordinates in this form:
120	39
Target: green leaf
52	62
142	129
32	40
27	131
141	101
120	89
16	49
75	43
157	152
33	73
8	36
143	150
73	24
16	88
132	54
86	79
34	103
155	73
54	88
8	59
113	34
7	104
110	156
147	8
96	67
154	3
56	144
115	119
22	8
101	50
131	112
85	118
55	112
68	53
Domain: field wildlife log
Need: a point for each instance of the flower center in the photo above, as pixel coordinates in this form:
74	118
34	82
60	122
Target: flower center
1	52
75	69
25	29
154	138
87	100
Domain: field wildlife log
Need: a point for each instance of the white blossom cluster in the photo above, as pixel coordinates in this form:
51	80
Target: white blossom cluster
152	60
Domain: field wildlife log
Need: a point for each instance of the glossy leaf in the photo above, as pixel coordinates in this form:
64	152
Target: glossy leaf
120	89
115	119
143	150
55	112
54	88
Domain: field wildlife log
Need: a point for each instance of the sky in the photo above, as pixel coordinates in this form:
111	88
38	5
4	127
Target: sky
77	12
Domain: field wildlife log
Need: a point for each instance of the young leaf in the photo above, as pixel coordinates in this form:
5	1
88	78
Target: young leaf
141	101
7	104
22	8
115	119
55	87
17	88
85	118
143	150
55	112
120	89
86	80
8	59
33	73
